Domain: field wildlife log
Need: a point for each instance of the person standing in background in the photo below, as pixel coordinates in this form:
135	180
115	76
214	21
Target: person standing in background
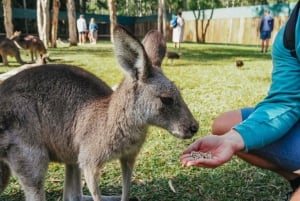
266	28
93	31
178	31
82	28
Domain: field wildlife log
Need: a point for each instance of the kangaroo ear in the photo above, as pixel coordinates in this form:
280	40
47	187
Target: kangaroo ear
131	54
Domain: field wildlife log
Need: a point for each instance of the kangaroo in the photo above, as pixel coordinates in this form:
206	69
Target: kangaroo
9	48
173	55
155	46
61	113
34	44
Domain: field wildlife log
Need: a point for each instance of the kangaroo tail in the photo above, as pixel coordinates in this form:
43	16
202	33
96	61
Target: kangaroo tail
4	176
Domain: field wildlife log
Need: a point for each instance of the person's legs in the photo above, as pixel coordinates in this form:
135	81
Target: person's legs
266	45
175	44
226	121
83	37
79	38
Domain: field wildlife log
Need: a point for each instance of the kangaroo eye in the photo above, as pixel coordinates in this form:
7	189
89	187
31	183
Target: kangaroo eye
167	100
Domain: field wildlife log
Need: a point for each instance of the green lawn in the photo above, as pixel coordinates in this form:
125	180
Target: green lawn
210	84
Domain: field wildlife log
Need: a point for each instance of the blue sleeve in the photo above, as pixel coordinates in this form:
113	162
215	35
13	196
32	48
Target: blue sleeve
261	24
280	110
271	22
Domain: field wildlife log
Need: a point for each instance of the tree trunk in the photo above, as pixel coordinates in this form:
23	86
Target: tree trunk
7	14
25	20
112	17
197	17
43	20
204	29
55	8
159	16
164	18
72	22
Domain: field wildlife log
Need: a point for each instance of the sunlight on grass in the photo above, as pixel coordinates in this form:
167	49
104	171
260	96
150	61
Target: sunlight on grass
210	83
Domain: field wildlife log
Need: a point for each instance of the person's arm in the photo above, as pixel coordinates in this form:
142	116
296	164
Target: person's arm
280	110
180	21
271	23
261	24
296	196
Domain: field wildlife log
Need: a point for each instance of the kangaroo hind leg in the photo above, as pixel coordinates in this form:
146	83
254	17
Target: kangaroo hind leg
30	165
4	176
91	175
72	185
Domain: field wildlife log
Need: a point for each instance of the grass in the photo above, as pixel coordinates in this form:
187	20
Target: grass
210	84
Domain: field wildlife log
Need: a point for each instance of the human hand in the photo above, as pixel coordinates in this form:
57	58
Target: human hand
222	148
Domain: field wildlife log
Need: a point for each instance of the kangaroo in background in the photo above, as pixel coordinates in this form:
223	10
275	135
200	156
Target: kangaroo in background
34	44
155	46
9	48
173	55
65	114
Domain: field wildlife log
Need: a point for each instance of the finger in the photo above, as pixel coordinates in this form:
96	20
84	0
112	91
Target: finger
189	160
184	156
207	163
192	147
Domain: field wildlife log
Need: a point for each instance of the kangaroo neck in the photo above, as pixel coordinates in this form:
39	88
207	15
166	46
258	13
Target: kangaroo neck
122	108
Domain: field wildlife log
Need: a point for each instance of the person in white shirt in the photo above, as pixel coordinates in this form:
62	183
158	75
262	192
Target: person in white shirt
82	28
178	31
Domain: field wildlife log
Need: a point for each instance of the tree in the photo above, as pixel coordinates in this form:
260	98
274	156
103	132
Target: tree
199	9
7	14
175	5
161	17
72	22
43	19
54	28
112	17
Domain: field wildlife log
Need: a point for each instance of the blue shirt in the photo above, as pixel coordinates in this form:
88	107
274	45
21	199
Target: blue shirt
267	23
280	110
93	27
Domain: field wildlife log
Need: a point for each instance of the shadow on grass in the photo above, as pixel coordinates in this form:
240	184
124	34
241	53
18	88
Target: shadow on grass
202	186
216	53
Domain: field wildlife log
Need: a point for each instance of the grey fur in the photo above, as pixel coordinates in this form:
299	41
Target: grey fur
64	114
155	46
9	48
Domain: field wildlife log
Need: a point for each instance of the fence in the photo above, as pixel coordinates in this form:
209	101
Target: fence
228	25
238	25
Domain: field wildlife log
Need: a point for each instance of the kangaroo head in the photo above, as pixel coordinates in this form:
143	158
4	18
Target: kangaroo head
15	35
157	101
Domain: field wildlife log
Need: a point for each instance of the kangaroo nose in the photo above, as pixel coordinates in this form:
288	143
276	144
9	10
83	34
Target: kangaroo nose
194	128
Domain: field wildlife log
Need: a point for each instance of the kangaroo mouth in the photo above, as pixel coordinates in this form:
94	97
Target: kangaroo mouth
186	131
183	135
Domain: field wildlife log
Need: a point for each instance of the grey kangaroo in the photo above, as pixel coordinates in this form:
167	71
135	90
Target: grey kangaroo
9	48
34	44
61	113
